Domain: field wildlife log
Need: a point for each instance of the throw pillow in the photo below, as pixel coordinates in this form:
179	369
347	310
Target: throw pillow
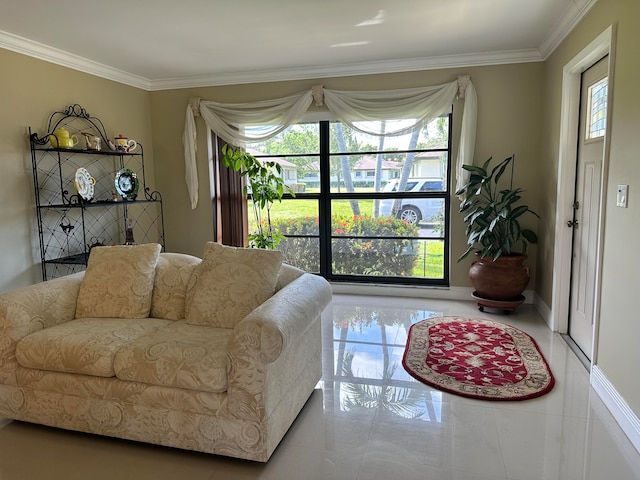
230	283
170	285
118	282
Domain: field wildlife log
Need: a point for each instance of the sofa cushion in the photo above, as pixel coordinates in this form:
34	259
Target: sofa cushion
118	282
288	274
85	346
179	355
230	283
173	273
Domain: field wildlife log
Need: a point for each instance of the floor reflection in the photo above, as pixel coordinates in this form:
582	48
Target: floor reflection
366	368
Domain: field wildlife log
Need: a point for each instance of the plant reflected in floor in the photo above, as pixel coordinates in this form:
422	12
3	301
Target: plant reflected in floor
401	401
369	343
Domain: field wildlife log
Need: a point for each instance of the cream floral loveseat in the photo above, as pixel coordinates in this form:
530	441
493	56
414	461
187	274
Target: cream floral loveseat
217	355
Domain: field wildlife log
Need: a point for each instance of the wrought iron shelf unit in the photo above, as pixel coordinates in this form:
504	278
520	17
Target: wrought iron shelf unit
78	259
99	203
108	153
71	223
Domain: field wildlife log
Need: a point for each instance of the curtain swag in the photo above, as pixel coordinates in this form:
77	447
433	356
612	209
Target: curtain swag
361	110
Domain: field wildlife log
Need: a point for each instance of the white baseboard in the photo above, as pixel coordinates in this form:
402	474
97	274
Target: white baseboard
543	310
628	421
441	293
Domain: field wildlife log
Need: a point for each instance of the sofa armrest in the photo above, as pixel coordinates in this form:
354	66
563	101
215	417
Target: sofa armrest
35	307
283	318
265	334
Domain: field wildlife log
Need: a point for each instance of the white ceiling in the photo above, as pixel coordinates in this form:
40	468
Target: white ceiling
158	44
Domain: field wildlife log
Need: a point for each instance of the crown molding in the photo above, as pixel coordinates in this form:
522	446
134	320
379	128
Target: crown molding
565	24
365	68
44	52
59	57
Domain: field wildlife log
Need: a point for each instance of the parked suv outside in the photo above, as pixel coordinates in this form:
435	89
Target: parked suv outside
414	210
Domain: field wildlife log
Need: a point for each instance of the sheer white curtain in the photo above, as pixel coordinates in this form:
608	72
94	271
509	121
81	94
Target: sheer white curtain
361	110
468	131
227	121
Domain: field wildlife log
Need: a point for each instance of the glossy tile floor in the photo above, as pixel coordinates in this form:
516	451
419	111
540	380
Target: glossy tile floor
368	420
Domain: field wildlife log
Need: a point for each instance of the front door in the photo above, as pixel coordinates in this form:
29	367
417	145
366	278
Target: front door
585	224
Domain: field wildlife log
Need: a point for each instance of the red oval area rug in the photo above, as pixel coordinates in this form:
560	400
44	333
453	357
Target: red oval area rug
476	358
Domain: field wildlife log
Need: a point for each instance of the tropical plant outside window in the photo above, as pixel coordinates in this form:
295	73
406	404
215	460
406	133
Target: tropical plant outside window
365	207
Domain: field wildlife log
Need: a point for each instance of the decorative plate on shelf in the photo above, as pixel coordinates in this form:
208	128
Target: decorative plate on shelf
84	183
127	183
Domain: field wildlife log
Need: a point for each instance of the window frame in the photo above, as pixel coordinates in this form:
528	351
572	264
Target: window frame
325	197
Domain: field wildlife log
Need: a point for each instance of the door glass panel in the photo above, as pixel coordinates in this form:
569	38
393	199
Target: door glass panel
597	116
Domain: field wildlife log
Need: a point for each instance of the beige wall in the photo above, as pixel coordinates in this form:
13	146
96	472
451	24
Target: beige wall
619	330
30	90
509	119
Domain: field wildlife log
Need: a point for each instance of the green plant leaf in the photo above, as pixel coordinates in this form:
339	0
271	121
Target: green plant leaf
482	221
530	236
466	254
516	212
485	166
475	169
516	229
473	216
499	169
493	223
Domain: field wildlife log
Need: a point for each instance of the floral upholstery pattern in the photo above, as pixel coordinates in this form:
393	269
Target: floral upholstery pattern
30	309
86	345
179	355
159	415
118	281
287	275
173	273
113	389
281	343
229	283
272	356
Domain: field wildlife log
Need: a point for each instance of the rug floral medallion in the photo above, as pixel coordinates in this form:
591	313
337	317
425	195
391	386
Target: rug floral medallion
476	358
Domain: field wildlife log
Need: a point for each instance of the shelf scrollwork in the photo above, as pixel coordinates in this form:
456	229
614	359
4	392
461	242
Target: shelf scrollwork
152	195
65	117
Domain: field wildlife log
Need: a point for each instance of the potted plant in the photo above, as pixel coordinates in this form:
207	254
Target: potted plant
492	215
264	186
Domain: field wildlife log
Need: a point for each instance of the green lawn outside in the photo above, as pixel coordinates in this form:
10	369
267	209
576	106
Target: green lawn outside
430	262
300	208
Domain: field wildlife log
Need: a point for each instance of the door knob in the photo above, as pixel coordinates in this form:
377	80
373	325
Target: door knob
572	224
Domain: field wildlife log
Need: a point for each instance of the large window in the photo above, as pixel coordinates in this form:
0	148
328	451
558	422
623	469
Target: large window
367	209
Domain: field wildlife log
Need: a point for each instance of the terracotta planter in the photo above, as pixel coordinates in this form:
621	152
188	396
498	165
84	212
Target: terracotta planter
503	279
